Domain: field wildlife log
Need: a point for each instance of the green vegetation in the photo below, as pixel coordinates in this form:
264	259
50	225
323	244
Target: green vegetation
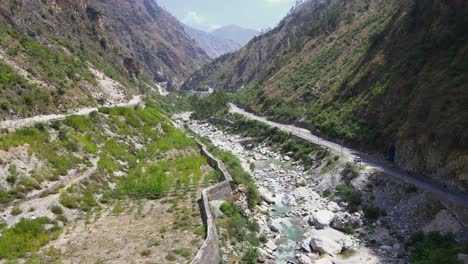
16	210
300	149
155	180
435	248
57	209
213	105
372	212
236	171
349	195
26	236
240	230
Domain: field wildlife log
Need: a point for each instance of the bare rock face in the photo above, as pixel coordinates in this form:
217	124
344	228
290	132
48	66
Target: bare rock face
444	223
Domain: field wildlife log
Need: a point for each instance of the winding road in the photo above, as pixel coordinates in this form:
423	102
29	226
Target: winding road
30	121
417	180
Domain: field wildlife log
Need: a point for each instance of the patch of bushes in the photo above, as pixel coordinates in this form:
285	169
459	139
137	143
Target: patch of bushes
238	174
26	236
351	196
239	228
214	105
57	209
435	248
372	212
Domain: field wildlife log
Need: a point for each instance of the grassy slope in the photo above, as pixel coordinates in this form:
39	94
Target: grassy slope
166	161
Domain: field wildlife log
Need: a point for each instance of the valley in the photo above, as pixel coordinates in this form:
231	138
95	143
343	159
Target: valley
204	135
299	207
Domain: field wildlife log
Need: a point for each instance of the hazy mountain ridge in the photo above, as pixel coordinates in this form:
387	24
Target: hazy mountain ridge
213	45
387	75
235	33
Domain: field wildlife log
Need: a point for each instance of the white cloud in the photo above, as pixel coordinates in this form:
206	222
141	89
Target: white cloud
193	17
215	26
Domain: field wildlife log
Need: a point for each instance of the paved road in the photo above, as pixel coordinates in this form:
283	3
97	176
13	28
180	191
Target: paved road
417	180
30	121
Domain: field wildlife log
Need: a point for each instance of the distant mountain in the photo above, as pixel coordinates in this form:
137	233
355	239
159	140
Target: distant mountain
213	45
238	34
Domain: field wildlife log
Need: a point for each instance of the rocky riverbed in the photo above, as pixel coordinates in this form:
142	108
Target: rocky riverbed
300	224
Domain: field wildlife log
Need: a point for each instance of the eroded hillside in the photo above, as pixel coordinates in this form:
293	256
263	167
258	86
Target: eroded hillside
58	55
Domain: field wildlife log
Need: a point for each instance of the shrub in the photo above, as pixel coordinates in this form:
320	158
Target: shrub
435	248
372	212
349	195
57	209
170	257
13	174
16	210
350	171
26	236
327	193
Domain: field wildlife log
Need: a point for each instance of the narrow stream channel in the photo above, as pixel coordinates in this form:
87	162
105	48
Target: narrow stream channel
288	241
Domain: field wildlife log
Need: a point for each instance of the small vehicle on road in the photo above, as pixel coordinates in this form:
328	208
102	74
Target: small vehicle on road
357	160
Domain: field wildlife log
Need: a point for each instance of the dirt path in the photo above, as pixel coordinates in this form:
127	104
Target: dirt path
26	122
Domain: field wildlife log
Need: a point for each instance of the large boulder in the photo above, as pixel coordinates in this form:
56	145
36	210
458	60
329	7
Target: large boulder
275	225
334	207
321	219
266	195
325	246
344	220
329	241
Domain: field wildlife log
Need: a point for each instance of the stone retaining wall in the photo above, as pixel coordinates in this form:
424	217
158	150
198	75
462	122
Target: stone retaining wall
209	252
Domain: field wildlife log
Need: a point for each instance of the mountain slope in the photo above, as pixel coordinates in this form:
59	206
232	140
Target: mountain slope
57	55
235	33
389	76
213	45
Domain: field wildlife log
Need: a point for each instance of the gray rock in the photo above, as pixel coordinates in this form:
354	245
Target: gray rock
321	219
463	257
305	245
334	207
271	245
343	220
386	248
325	246
275	225
347	242
289	200
303	259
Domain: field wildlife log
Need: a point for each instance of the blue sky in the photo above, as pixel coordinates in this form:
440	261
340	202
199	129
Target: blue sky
211	14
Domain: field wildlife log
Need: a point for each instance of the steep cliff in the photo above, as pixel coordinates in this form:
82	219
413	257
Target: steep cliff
388	76
56	55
